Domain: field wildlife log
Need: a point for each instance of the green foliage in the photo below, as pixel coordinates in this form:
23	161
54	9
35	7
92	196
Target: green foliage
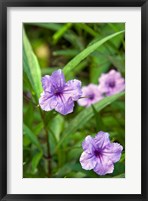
61	32
86	114
36	159
31	67
84	51
75	61
31	136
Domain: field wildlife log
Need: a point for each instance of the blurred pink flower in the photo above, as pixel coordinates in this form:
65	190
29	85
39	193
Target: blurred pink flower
90	95
111	83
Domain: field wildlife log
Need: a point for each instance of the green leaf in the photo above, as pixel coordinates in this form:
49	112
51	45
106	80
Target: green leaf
38	128
50	26
31	67
120	176
28	119
31	136
56	125
87	28
48	70
99	122
118	62
119	168
35	161
26	141
61	32
86	114
76	60
66	52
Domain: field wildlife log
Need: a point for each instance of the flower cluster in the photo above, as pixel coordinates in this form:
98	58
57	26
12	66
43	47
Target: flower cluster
100	154
109	84
60	95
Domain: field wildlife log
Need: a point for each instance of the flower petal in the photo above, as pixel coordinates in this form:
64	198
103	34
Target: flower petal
92	94
83	101
88	161
113	151
58	80
64	106
47	101
103	166
46	83
73	89
102	139
88	145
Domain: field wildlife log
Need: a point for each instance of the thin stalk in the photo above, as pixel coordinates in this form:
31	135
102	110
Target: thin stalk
48	157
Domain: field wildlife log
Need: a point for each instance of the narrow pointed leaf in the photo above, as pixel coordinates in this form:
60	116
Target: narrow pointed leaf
76	60
34	140
31	66
35	161
85	115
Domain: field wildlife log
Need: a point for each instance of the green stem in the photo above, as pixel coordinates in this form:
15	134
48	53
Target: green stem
48	145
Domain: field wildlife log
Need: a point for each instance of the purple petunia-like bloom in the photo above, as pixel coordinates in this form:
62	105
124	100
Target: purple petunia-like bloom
58	94
111	83
90	95
100	154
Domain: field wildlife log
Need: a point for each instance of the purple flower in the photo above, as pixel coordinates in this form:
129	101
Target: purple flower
92	94
111	83
100	154
58	94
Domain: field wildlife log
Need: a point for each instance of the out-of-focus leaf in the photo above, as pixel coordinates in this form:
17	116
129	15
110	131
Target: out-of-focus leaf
118	62
74	153
67	52
50	26
109	120
122	157
76	175
87	28
28	116
35	160
67	168
76	60
99	122
83	117
61	32
31	136
97	69
56	125
26	141
120	176
37	129
106	55
48	70
119	168
31	66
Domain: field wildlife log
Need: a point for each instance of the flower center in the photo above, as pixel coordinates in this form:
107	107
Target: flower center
111	84
58	92
91	96
97	153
